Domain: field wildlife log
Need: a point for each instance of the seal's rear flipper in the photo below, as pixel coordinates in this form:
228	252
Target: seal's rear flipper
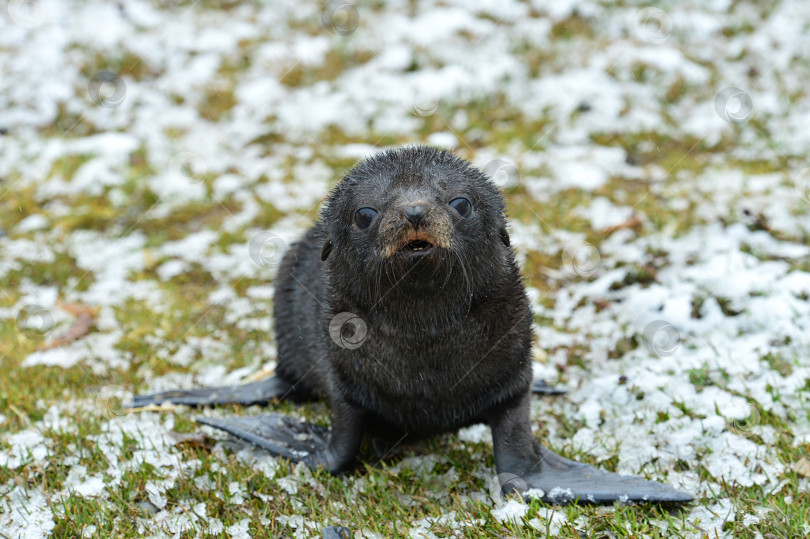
260	392
523	463
540	387
282	435
565	481
333	449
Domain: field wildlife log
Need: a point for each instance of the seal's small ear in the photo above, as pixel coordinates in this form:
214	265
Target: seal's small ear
327	248
504	236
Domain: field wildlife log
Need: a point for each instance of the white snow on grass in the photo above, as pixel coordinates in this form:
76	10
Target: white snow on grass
97	350
25	513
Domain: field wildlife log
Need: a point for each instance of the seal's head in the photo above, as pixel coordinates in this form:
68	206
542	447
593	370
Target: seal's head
418	220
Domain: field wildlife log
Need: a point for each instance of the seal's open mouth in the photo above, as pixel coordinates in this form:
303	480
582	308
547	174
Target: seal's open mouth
417	245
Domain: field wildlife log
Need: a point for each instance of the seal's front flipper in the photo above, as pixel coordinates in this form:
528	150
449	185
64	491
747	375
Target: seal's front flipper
540	387
299	441
260	392
282	435
566	481
522	463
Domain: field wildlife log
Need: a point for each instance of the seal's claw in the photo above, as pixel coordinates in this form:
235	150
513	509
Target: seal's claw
282	435
260	392
540	387
565	481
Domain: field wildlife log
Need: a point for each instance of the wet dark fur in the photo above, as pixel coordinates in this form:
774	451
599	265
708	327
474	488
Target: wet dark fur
448	339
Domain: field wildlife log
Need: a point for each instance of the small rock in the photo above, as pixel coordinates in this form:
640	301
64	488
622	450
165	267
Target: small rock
337	532
147	507
193	439
802	467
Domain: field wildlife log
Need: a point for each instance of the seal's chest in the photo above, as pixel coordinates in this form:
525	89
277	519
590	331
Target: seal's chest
421	394
428	370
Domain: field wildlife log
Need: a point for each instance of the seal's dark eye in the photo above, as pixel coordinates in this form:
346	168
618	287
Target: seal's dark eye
462	206
363	217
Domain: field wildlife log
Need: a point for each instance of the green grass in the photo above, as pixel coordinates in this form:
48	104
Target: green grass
376	496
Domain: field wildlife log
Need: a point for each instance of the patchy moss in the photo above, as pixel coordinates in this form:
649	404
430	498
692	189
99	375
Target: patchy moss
778	363
183	220
62	272
67	166
123	64
336	61
16	203
675	91
572	27
91	213
623	346
644	276
217	102
700	378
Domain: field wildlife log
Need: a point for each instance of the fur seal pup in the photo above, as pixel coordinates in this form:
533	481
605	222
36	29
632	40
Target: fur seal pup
404	308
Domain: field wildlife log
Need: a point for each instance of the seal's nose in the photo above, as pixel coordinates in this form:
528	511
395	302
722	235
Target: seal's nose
415	214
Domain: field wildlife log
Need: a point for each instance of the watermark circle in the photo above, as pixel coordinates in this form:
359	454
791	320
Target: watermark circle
35	322
190	165
653	25
505	484
26	13
110	401
748	425
581	258
423	104
733	105
503	173
340	17
348	330
267	249
661	338
801	182
107	89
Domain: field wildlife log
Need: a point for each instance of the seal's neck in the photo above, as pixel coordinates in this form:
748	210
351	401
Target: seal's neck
423	315
419	299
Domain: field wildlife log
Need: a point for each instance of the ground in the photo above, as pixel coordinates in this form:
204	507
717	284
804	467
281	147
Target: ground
157	158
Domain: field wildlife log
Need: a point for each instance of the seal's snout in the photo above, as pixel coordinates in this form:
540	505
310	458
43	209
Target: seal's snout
415	214
413	228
